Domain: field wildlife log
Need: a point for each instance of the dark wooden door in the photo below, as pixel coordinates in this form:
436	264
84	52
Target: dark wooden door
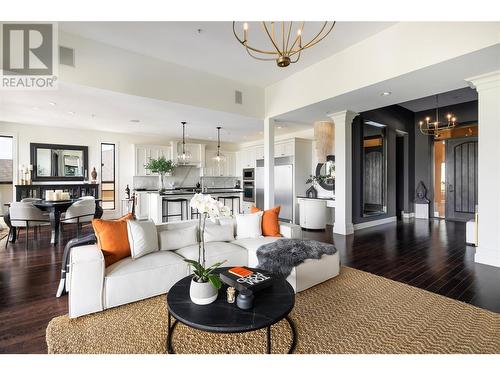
461	178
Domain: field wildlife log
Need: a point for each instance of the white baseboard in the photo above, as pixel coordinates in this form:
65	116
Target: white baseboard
373	223
407	215
487	256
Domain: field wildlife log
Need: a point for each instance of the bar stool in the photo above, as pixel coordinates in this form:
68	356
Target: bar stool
232	198
195	212
166	216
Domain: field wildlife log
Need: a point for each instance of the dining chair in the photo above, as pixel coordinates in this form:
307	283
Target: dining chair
79	213
24	215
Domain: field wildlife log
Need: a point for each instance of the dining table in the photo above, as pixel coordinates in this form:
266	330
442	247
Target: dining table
54	209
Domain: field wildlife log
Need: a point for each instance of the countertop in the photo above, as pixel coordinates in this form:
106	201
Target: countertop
322	198
184	192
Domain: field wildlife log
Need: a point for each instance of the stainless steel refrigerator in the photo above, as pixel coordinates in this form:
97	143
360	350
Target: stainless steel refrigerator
283	186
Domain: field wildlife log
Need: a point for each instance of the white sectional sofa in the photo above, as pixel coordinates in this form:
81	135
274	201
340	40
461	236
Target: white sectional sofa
93	287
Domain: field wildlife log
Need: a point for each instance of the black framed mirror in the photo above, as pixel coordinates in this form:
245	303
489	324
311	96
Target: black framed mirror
327	169
52	162
374	159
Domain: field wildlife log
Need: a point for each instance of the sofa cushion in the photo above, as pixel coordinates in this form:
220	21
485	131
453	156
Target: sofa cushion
270	222
112	239
251	245
249	225
217	252
222	232
131	280
176	238
142	237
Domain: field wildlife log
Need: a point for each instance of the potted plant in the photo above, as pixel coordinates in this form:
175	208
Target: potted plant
205	284
161	166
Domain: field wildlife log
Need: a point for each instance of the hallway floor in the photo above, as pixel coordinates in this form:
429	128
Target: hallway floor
431	255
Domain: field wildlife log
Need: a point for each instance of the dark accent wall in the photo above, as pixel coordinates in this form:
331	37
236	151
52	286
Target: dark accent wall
397	119
466	113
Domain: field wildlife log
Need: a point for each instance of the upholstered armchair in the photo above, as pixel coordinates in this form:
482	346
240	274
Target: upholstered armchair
24	215
81	212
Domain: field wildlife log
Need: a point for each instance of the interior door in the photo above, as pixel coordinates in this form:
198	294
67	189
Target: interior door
461	178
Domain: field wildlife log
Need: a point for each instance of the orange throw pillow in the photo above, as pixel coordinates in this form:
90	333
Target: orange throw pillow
112	238
270	222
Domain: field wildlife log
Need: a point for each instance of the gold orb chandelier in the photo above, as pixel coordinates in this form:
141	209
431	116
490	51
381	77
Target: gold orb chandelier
435	128
285	48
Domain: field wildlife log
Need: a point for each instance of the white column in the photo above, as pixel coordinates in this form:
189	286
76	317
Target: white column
343	171
268	163
488	88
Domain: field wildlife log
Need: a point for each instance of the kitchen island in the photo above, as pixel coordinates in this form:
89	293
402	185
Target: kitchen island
157	202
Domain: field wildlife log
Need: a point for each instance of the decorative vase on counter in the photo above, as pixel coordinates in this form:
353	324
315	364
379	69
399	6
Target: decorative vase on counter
312	192
93	175
161	186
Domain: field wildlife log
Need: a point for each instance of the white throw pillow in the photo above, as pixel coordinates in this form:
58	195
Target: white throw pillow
249	225
142	237
219	233
178	238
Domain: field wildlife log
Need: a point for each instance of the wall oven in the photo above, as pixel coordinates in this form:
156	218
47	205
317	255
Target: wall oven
248	174
249	191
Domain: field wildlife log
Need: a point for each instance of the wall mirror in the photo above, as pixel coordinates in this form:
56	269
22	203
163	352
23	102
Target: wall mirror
59	162
327	169
374	158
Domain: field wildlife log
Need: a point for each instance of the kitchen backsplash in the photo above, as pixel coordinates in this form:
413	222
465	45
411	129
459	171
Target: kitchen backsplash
183	176
219	182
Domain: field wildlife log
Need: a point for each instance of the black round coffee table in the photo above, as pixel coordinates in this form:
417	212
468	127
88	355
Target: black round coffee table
270	306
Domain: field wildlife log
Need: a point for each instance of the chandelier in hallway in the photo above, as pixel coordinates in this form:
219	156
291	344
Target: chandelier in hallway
184	156
435	128
285	40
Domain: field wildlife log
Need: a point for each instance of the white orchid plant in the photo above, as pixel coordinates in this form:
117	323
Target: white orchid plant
212	209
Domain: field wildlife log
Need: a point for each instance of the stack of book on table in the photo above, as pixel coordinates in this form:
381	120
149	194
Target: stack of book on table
242	278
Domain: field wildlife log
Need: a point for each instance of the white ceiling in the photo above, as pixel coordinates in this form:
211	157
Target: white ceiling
90	108
444	77
444	99
215	49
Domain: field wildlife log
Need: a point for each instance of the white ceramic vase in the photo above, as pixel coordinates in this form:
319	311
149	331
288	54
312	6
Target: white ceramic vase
202	293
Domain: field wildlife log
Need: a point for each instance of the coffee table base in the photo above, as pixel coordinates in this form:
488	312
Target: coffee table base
171	328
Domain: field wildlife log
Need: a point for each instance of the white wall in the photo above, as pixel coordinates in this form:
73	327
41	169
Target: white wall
397	50
111	68
27	134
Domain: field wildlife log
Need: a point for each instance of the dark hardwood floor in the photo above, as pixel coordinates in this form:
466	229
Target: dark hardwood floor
429	255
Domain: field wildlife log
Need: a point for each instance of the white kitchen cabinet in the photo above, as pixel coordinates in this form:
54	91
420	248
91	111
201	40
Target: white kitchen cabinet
227	168
284	149
145	152
248	157
142	205
259	152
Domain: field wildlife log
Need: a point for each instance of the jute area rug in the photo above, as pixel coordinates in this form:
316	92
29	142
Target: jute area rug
356	312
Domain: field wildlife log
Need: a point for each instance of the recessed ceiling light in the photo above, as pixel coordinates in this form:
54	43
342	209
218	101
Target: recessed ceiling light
71	112
53	104
136	121
280	127
386	93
